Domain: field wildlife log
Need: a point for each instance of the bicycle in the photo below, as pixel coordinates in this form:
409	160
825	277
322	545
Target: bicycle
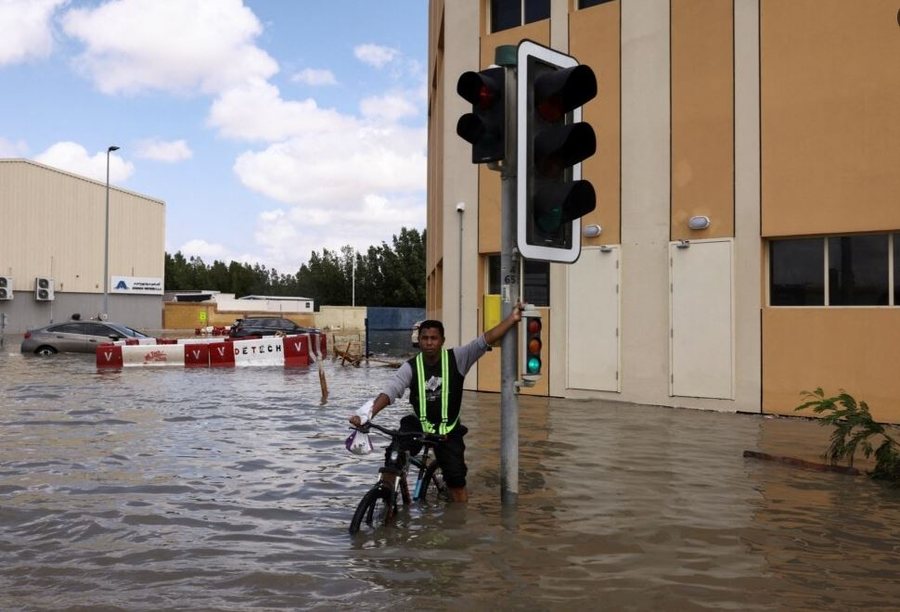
380	504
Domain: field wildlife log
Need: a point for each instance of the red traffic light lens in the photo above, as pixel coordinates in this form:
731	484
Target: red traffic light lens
486	97
533	326
551	109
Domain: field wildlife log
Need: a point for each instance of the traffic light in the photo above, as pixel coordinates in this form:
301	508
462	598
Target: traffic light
532	345
552	143
485	126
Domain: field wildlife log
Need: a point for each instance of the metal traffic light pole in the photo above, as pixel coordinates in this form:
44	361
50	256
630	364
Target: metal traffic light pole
537	145
491	130
510	291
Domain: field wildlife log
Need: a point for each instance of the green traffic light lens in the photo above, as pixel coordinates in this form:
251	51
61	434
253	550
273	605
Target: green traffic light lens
533	365
549	220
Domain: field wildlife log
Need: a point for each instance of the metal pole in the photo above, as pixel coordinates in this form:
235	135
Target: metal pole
509	272
460	209
106	239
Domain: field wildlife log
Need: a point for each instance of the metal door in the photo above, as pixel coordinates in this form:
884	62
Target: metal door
701	319
592	321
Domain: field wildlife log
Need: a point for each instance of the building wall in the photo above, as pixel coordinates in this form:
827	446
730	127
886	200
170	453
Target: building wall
830	166
54	224
774	119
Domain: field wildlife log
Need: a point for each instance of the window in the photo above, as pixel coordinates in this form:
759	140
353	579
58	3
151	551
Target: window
588	3
69	328
506	14
796	272
858	270
535	280
536	10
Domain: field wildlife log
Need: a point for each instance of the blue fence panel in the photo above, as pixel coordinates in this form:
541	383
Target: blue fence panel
381	318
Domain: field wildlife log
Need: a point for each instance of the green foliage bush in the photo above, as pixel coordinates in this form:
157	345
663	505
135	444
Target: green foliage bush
854	429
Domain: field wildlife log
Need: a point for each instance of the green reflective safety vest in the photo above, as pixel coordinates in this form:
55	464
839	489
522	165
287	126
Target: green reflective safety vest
437	414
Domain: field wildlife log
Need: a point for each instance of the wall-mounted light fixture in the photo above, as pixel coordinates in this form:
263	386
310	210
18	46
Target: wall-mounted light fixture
698	223
591	231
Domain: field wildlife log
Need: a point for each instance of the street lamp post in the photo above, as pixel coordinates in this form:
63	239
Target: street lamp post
106	240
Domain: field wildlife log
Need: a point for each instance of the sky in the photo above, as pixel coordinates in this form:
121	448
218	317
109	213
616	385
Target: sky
270	128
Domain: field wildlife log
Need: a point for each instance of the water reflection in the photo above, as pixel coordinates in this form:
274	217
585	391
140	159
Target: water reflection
231	489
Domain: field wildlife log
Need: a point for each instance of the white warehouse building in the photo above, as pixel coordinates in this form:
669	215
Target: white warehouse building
53	249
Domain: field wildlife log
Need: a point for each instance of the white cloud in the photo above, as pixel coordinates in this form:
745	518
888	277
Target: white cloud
258	112
340	178
185	46
207	251
315	77
389	107
338	169
164	151
72	157
375	55
344	179
288	236
26	29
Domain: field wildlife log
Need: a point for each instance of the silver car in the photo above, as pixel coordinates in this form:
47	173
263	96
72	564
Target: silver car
75	337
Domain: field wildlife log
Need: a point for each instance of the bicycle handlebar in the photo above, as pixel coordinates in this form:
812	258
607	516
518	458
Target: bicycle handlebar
396	433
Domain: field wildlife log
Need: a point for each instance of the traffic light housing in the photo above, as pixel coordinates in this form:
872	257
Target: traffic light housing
485	126
532	346
552	143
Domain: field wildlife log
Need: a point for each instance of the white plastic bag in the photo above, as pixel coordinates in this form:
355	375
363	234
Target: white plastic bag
359	443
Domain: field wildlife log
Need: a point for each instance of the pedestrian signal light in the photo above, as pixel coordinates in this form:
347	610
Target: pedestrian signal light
485	127
533	346
552	141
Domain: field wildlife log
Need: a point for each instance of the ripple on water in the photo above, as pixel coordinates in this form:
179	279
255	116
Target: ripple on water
231	489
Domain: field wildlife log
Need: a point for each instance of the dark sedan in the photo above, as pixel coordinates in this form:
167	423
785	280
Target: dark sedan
75	337
267	326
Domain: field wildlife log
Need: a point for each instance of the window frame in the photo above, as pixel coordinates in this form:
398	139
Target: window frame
523	13
893	261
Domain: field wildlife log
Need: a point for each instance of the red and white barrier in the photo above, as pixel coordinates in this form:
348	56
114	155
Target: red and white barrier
286	351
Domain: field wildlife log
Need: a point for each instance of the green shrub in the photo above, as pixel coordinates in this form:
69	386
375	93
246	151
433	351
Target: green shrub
854	430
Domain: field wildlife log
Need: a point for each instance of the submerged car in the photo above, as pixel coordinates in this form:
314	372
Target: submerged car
267	326
76	337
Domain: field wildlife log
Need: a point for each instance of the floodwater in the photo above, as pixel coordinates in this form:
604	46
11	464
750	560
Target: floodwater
230	489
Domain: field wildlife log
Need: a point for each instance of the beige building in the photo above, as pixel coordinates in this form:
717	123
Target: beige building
52	249
778	120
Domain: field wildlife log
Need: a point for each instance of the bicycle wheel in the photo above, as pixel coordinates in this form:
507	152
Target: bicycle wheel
375	509
432	488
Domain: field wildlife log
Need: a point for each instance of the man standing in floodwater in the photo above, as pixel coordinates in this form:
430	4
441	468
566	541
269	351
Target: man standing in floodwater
435	378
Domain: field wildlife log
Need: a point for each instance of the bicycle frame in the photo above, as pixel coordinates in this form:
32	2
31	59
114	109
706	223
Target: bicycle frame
392	485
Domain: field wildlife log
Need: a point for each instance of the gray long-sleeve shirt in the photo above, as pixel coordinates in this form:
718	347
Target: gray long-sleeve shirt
465	356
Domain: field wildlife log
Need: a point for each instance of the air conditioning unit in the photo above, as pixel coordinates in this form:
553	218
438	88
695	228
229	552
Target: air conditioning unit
6	288
43	289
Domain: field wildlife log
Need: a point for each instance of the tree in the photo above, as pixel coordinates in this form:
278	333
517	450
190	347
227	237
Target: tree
385	275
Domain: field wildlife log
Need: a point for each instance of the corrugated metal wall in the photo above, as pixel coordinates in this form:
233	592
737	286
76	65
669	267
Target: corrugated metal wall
52	224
